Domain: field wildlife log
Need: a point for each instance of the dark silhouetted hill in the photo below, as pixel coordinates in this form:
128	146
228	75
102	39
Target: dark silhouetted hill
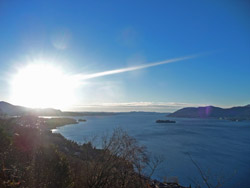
241	112
13	110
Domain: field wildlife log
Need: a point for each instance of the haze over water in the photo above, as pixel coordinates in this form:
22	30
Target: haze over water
218	146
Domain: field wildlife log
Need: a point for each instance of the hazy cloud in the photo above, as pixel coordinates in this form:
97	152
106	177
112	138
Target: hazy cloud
136	106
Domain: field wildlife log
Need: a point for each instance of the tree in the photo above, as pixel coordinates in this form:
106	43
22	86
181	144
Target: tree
49	169
119	163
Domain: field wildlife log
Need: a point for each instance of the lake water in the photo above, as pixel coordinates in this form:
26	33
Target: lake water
220	147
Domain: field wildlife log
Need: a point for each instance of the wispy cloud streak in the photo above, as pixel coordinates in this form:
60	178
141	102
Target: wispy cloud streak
128	69
134	106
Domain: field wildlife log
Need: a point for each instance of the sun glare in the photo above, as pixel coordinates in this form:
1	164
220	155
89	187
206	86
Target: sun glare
42	86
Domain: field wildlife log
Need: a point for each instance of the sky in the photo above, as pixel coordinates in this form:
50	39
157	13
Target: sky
82	38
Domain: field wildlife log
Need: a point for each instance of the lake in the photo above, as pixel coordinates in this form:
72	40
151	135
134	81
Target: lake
220	147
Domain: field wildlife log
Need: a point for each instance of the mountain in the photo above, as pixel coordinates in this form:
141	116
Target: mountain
241	112
13	110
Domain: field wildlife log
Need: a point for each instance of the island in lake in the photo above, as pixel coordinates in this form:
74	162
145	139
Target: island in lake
165	121
82	120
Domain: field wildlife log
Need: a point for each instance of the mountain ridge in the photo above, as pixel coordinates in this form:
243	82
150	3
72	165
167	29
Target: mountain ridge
15	110
241	112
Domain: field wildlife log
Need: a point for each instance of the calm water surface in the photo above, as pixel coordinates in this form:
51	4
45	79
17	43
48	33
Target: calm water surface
220	147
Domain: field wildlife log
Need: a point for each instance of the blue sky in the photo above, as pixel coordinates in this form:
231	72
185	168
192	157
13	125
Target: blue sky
85	37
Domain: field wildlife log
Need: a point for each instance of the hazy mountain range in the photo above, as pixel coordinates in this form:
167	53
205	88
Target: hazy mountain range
241	112
13	110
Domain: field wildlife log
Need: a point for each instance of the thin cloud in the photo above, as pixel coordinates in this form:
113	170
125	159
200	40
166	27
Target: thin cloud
144	104
128	69
135	106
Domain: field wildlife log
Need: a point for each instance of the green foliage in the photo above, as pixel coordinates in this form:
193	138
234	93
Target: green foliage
49	168
29	160
4	140
52	123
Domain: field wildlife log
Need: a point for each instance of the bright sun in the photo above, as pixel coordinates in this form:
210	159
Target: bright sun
42	86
